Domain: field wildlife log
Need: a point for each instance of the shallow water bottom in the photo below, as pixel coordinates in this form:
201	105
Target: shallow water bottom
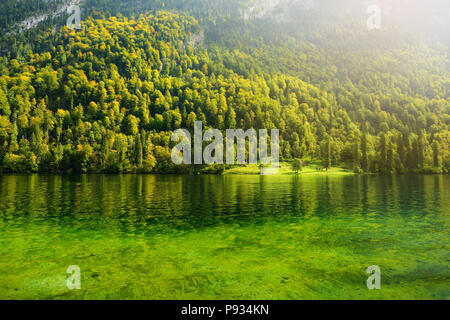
178	237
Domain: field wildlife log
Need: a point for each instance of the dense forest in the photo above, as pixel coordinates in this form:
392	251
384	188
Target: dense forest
107	97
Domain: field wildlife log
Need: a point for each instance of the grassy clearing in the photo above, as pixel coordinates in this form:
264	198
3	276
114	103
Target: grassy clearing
286	168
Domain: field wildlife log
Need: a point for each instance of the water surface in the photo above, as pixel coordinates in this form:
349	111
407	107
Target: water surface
224	237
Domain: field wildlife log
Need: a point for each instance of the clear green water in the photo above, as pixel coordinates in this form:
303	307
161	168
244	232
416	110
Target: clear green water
224	237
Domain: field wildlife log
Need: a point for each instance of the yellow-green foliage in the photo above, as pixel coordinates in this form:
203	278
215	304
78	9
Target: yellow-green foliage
108	96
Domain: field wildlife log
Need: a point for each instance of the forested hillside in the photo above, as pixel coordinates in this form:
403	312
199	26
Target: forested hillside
107	97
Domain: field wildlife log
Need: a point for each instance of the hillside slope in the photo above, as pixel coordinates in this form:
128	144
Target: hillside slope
105	98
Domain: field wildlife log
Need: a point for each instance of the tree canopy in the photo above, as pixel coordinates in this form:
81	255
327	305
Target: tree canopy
107	97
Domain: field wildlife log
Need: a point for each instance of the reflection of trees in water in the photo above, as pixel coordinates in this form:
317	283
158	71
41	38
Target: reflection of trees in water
140	202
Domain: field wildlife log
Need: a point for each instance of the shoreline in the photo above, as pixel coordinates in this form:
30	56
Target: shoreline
249	170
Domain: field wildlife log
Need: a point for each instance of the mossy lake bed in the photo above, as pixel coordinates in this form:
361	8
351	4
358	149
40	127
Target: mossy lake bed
224	237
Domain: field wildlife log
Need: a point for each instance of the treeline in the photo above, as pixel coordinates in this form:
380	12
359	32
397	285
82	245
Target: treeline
106	98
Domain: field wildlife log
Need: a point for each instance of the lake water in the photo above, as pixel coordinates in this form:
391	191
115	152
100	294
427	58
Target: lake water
224	237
